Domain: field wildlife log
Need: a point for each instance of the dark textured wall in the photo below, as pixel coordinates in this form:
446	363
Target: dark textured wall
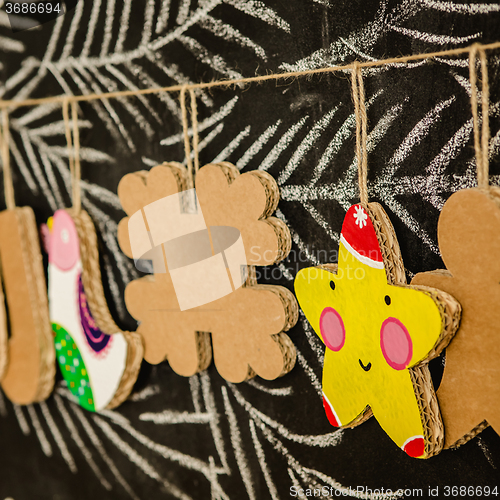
257	439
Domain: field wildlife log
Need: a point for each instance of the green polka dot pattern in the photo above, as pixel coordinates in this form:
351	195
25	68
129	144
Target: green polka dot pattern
73	368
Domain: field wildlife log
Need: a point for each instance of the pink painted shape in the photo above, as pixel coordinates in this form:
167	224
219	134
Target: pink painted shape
396	344
64	246
332	329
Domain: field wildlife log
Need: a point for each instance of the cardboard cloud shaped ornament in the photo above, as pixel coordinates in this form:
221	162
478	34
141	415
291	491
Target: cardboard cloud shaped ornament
379	333
237	210
99	365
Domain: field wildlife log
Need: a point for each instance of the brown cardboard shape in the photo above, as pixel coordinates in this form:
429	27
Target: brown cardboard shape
468	236
31	367
246	326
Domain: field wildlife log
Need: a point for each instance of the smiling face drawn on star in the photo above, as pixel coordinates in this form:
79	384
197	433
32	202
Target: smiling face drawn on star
372	333
367	324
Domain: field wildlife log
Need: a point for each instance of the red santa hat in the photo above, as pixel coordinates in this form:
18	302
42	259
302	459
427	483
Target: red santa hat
360	239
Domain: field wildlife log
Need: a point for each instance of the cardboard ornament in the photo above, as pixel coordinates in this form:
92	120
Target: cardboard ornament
469	241
379	334
30	372
98	361
203	293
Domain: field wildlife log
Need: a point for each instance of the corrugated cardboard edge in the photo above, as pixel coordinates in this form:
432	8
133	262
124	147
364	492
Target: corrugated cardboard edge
4	334
450	312
39	301
470	435
291	309
91	278
91	271
279	227
362	417
389	245
203	350
135	352
272	193
429	409
287	298
179	172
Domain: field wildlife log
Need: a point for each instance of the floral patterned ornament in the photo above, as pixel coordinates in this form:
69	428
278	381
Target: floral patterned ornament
379	334
99	362
246	325
469	394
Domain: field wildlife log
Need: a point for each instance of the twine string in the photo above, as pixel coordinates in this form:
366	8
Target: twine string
69	140
185	129
77	198
8	184
481	132
187	144
358	96
480	140
242	81
194	121
485	104
71	127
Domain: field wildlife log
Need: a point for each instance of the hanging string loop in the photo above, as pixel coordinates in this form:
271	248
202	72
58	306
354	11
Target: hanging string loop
8	185
192	171
358	97
72	128
481	132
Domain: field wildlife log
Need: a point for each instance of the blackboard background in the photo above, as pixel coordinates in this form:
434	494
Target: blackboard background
255	439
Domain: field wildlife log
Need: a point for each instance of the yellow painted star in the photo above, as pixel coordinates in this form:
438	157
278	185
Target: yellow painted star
379	333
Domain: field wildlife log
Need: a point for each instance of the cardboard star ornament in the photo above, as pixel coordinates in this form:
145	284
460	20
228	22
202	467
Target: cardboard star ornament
221	304
469	241
379	334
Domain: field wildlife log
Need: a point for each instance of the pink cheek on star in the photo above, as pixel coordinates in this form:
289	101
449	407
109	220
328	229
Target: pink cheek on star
332	329
396	344
64	248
